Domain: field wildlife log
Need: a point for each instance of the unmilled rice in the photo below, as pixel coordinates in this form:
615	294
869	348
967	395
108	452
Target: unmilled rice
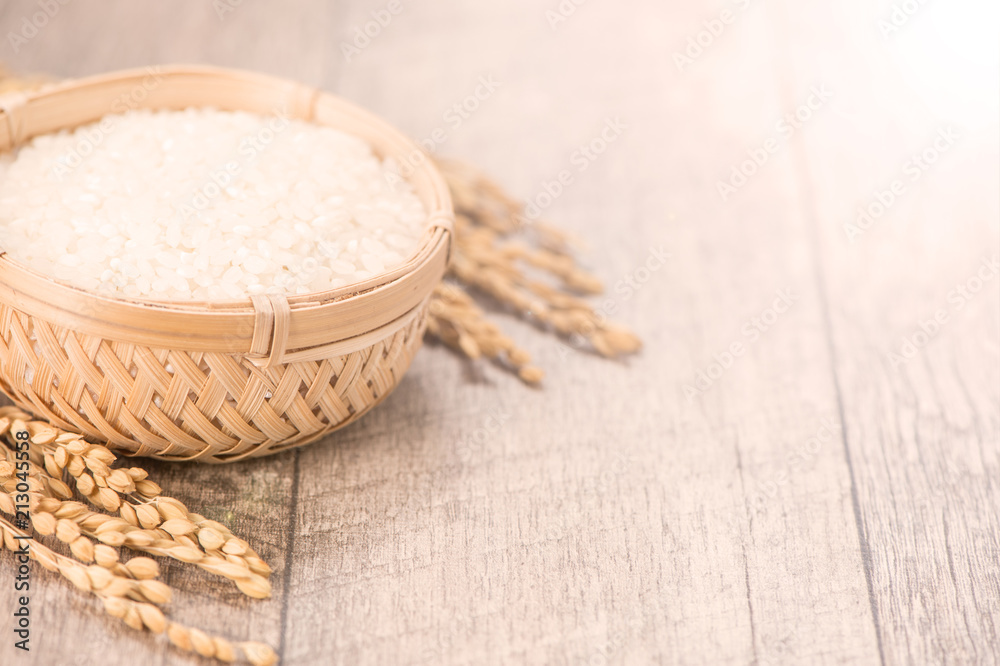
204	204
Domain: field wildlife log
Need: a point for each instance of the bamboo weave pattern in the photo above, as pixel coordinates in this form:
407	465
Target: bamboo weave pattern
181	405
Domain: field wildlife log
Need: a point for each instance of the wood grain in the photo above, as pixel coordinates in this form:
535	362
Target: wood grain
812	504
920	432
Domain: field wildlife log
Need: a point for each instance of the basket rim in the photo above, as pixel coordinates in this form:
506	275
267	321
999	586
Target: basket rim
230	325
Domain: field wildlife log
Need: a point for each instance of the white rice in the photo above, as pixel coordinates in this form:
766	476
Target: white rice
205	204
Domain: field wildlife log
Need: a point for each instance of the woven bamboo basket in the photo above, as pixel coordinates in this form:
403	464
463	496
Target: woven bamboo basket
222	380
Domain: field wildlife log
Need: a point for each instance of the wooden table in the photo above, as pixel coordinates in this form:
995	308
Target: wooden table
777	478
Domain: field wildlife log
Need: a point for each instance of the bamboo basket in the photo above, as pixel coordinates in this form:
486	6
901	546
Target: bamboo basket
222	380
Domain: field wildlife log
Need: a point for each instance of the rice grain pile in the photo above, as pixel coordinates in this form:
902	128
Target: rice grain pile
205	204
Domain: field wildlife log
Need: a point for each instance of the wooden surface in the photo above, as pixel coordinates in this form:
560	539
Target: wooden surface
818	502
